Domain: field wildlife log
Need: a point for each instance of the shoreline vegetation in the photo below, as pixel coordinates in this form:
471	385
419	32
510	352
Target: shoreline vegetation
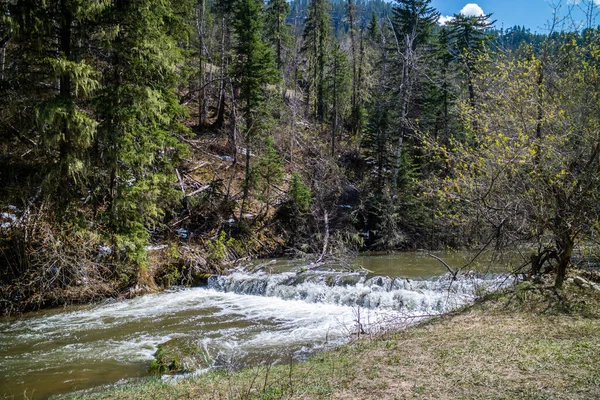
146	144
528	341
239	128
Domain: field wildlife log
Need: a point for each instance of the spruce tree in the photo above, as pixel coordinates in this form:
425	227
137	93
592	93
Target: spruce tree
53	80
315	40
277	30
416	18
470	37
140	116
338	91
413	21
254	69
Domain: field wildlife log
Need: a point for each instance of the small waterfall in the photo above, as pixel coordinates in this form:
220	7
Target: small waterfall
351	289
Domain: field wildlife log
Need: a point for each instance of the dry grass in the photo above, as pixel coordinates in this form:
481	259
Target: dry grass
527	343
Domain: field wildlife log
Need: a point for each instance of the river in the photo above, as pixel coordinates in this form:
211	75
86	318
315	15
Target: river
281	309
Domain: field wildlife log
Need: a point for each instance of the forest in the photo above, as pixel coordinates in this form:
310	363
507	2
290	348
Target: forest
149	143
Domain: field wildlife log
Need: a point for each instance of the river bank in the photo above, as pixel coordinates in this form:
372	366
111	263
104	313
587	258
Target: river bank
266	312
527	342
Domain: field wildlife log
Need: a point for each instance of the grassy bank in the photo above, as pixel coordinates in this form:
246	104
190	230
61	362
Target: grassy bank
526	343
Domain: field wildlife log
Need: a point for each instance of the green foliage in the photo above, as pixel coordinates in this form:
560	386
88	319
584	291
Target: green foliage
338	87
414	15
141	120
315	47
255	67
530	174
217	249
376	144
293	214
299	194
268	171
278	32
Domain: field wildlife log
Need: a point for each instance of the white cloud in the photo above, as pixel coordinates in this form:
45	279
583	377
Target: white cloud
472	10
444	19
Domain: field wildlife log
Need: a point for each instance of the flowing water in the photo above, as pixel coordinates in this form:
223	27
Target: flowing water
279	311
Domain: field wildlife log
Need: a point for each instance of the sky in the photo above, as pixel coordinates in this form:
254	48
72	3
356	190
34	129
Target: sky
533	14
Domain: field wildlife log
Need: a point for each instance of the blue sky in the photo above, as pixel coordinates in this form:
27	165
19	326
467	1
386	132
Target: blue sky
533	14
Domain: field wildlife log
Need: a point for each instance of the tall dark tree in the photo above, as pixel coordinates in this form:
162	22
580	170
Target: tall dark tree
442	93
278	31
338	91
470	37
140	116
51	78
412	22
415	18
254	69
316	39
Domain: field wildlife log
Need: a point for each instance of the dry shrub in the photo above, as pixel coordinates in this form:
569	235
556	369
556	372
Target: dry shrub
45	263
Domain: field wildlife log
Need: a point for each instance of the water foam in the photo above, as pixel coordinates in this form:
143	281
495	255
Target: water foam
237	319
412	296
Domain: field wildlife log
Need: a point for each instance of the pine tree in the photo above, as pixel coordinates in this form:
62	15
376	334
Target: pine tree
54	83
373	27
439	90
338	91
141	116
254	69
415	18
315	41
413	21
277	30
470	36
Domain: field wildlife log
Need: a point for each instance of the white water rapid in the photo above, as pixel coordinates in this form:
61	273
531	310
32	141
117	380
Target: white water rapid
239	319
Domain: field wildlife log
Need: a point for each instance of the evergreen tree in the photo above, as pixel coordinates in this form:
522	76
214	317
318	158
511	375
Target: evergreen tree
373	27
338	91
413	22
140	116
315	41
53	80
278	32
442	93
254	69
415	18
470	36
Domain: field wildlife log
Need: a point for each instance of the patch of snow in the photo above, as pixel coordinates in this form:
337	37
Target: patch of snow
104	251
12	218
182	233
156	247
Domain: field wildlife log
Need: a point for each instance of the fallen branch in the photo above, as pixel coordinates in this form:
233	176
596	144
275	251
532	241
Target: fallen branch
180	182
454	273
195	192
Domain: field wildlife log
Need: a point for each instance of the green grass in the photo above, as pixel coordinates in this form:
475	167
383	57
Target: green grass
527	343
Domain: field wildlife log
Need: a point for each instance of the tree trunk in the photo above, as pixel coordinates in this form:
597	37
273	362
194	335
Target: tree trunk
221	111
202	69
3	44
353	128
565	253
65	94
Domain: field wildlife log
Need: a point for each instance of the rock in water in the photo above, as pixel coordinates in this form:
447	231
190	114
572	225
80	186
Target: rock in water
178	356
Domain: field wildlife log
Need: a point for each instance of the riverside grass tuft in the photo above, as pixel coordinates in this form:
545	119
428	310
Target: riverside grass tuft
528	342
